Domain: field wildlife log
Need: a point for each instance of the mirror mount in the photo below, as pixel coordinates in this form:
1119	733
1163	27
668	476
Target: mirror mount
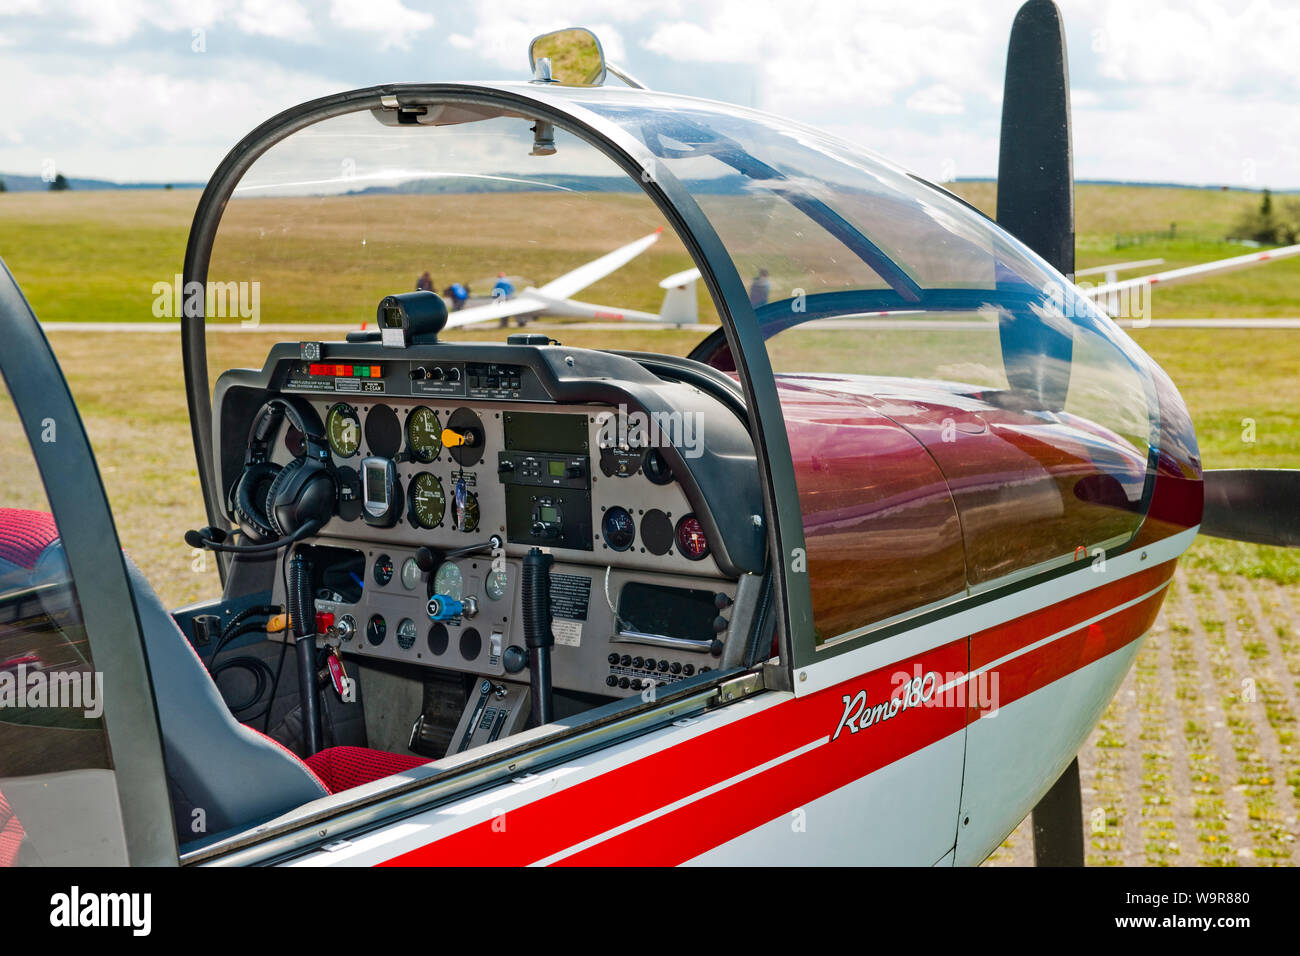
542	70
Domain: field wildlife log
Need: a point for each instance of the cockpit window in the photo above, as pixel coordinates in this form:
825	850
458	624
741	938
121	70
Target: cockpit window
480	210
956	409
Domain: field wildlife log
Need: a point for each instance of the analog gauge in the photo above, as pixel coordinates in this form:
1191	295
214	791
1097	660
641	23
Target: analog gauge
618	528
621	462
376	630
496	585
383	570
656	469
424	434
410	574
690	538
406	634
343	428
465	516
428	502
449	581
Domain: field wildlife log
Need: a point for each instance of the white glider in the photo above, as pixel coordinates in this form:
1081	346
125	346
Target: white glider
555	297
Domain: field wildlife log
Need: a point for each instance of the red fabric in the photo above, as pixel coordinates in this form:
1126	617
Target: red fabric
341	768
11	834
25	534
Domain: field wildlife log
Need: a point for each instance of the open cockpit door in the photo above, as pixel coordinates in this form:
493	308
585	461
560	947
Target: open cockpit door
81	767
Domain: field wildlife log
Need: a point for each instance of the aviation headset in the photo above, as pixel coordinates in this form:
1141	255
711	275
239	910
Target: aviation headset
270	501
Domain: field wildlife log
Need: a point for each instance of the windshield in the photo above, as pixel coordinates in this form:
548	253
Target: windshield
483	211
905	326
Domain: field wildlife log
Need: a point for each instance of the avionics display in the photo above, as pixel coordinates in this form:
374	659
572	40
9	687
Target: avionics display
676	612
546	471
544	432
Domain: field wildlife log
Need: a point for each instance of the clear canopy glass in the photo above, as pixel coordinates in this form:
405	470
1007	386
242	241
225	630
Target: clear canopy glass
883	300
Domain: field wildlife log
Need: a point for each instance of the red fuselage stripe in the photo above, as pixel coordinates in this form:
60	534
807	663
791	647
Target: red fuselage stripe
730	812
588	809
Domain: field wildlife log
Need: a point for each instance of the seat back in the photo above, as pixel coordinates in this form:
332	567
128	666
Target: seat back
222	774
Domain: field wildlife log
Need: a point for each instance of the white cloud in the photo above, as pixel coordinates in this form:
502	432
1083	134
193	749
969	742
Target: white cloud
938	98
829	57
395	24
106	22
281	19
1195	90
1204	44
127	124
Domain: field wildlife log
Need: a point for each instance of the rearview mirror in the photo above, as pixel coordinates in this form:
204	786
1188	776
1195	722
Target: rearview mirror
570	57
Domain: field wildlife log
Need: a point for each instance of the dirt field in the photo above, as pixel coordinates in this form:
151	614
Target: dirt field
1194	762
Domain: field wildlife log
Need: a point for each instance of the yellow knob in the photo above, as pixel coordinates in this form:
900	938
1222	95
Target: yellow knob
452	438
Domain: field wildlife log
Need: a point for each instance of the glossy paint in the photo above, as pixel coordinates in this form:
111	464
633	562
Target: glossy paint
912	493
776	775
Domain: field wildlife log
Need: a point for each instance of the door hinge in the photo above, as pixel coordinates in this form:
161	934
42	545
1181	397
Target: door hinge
391	112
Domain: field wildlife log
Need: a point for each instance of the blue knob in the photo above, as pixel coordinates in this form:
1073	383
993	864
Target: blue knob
444	608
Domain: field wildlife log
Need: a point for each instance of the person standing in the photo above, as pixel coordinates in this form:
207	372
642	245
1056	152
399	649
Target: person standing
759	289
424	283
457	293
504	289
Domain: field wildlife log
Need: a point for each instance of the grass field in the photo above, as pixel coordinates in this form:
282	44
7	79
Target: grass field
98	255
1182	759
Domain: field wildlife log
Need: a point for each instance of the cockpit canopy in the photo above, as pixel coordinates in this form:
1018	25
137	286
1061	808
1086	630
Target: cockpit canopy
857	278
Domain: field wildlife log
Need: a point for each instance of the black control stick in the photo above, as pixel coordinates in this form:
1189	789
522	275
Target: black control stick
427	559
536	595
302	615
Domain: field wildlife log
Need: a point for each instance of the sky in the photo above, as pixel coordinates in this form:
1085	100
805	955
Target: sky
1197	91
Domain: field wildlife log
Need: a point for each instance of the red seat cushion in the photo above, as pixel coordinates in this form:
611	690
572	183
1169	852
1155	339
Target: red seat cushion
11	834
25	534
341	768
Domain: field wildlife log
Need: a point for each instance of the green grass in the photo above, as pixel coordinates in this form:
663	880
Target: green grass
97	256
1108	215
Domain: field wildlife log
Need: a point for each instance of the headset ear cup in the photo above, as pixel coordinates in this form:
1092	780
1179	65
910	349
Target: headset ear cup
250	499
282	481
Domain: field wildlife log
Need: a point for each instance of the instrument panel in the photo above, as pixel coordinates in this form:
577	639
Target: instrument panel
449	471
543	475
418	474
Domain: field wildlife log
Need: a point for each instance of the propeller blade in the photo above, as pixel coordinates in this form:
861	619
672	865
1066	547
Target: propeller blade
1036	190
1035	158
1058	822
1036	205
1261	505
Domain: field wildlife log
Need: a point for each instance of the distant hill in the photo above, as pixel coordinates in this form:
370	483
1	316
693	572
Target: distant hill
16	183
1141	184
720	186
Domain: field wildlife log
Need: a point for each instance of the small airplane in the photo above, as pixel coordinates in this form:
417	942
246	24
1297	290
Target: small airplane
819	590
554	299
